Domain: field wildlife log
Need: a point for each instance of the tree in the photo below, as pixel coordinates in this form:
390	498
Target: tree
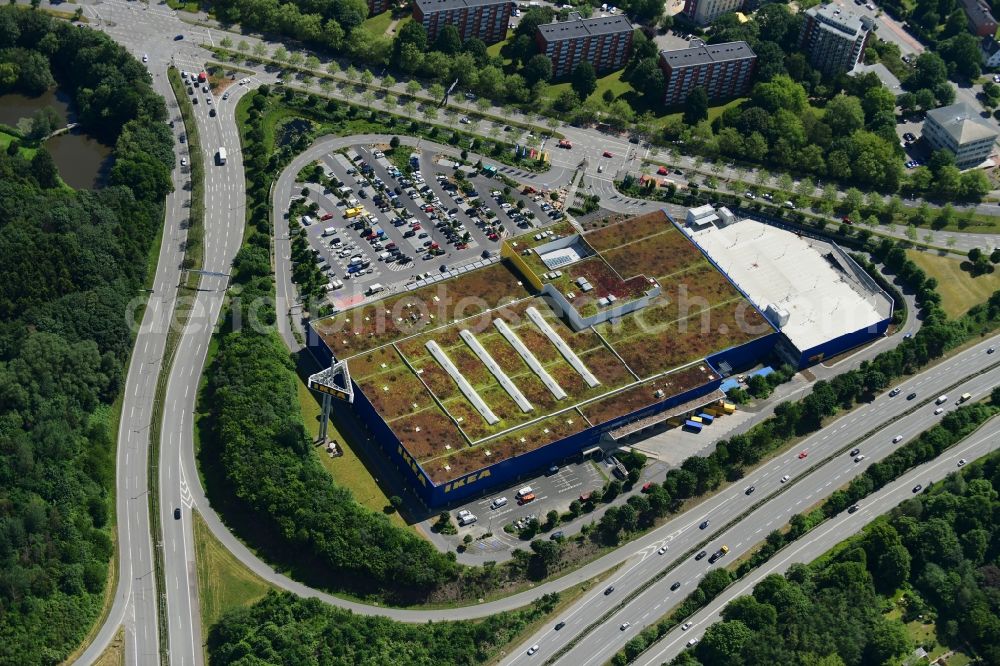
243	46
723	642
394	142
280	54
43	168
583	79
259	49
696	106
538	69
448	41
844	115
226	42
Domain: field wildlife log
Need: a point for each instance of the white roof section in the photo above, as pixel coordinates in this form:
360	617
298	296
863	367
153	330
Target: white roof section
779	268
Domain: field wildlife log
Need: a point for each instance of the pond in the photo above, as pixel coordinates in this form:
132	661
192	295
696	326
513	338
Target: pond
83	162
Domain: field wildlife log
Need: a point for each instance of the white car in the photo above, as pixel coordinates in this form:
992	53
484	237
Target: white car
685	626
961	462
625	625
692	642
785	478
662	550
184	161
859	458
533	649
938	411
897	439
145	57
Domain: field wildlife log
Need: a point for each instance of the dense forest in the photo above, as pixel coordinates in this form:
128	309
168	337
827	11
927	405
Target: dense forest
70	263
283	629
940	548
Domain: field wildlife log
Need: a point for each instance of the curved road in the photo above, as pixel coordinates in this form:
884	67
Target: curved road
151	31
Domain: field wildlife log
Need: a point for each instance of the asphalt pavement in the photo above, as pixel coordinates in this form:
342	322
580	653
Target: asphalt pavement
151	29
827	535
826	467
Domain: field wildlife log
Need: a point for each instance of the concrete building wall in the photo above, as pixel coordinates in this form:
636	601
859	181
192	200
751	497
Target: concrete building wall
488	22
720	80
703	12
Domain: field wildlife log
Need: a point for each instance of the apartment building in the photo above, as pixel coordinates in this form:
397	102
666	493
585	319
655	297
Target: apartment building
960	129
723	70
485	19
981	21
834	38
703	12
605	42
378	6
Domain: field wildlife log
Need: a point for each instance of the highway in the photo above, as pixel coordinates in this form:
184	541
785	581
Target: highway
810	480
152	31
827	535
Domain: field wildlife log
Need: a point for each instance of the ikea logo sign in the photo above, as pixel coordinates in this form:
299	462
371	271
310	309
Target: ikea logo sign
472	478
412	464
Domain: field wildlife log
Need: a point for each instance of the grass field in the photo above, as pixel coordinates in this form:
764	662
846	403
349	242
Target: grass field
347	470
5	140
925	635
378	24
612	82
114	654
959	290
223	582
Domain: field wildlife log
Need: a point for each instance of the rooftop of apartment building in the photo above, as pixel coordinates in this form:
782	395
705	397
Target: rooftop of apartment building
581	27
704	54
962	123
445	5
840	20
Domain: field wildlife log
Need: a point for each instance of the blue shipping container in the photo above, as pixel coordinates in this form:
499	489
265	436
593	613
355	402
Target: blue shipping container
693	426
707	418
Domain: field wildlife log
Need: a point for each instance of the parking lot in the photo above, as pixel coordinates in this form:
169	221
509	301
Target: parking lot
552	492
378	227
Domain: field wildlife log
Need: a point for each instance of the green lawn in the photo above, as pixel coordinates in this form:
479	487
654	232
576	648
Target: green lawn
716	111
378	24
612	82
347	470
223	582
959	290
5	140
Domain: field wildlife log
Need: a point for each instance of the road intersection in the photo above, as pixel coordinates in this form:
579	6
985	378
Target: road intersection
136	600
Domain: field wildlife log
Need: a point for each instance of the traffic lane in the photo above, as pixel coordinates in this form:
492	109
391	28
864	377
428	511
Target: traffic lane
833	532
855	424
650	606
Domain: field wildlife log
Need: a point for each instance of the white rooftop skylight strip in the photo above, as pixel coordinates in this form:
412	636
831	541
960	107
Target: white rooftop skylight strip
494	367
463	384
529	358
563	348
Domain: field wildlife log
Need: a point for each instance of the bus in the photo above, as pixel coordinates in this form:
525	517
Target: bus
220	156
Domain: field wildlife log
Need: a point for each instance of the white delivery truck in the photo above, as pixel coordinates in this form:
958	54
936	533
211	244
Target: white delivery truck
329	231
306	220
220	156
374	289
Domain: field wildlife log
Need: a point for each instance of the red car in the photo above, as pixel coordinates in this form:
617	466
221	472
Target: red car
326	217
846	220
663	171
494	237
607	153
803	454
416	227
646	486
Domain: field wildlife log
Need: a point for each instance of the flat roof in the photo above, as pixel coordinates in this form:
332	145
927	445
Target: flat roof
428	6
479	368
580	27
839	19
704	54
794	273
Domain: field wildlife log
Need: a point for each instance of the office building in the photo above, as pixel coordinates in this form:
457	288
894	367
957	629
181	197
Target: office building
605	42
703	12
959	128
485	19
723	70
834	38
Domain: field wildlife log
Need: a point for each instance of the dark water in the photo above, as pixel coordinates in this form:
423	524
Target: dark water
83	162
